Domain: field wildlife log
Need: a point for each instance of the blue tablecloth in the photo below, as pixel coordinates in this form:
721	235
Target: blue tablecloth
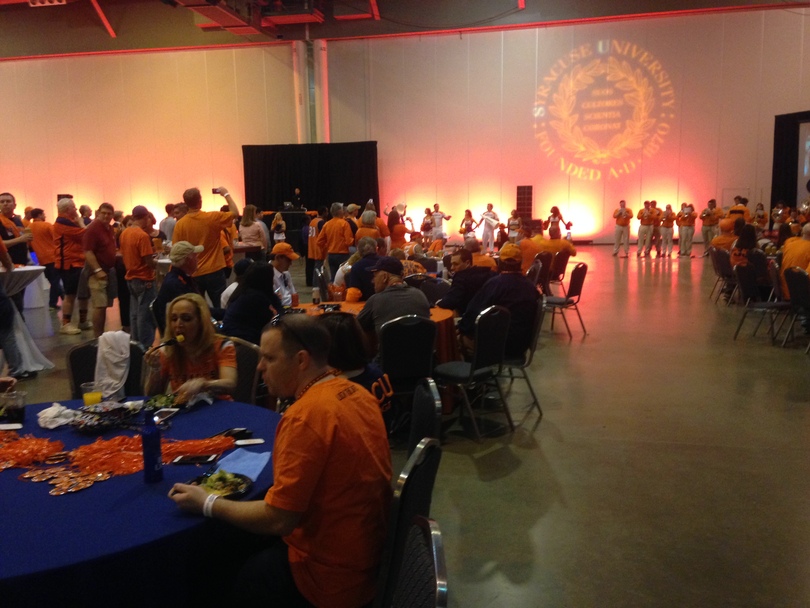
121	542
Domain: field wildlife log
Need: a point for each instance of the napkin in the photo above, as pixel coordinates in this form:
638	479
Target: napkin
244	462
55	416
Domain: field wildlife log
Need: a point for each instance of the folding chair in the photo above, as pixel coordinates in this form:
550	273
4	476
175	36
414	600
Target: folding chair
491	329
416	280
749	290
412	497
521	365
798	285
423	574
558	268
426	415
559	305
435	289
81	367
543	277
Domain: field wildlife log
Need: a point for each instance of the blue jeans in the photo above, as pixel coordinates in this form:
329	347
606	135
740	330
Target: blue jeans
141	323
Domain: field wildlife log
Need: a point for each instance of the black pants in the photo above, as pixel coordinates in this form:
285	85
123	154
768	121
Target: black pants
266	580
56	285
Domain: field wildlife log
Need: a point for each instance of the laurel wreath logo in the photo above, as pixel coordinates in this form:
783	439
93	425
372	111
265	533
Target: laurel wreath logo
638	94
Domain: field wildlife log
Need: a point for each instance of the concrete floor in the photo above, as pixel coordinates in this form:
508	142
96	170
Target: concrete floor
670	467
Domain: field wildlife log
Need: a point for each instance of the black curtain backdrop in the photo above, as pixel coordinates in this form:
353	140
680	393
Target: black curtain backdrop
325	173
785	157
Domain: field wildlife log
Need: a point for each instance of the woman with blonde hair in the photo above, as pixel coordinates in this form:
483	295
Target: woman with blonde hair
278	227
194	359
252	233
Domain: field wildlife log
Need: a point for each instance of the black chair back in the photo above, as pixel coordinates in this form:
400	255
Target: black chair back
759	262
559	265
423	579
426	414
248	356
429	264
81	367
545	258
798	285
491	330
775	280
534	271
406	348
435	289
416	280
577	281
722	259
747	283
412	497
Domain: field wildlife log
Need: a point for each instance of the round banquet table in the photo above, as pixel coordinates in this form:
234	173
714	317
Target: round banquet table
123	542
446	343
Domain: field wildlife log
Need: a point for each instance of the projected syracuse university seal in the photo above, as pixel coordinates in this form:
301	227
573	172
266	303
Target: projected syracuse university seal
602	109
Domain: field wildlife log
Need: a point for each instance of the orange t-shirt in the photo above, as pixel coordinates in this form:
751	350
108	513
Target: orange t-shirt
528	249
336	236
480	259
68	246
362	231
203	228
382	226
332	464
134	245
398	236
222	354
313	251
42	243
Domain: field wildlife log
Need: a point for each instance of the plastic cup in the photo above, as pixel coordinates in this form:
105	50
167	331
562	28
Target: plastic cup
91	394
13	406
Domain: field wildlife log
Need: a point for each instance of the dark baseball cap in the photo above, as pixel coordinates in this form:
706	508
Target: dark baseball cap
140	211
388	264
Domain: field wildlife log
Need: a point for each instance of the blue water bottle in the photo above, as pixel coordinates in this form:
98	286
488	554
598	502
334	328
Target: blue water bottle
152	458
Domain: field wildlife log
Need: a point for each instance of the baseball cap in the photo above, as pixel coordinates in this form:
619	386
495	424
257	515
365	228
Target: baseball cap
510	252
140	211
351	207
388	264
284	249
181	250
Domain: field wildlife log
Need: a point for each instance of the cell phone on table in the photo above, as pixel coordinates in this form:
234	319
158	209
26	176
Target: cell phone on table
196	459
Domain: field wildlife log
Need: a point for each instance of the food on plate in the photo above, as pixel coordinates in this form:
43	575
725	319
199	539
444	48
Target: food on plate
223	483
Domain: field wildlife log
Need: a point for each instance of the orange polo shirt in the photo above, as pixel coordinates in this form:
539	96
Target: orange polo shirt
370	232
480	259
42	244
135	244
203	228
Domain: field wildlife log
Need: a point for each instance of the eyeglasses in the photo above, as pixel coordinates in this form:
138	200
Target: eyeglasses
278	321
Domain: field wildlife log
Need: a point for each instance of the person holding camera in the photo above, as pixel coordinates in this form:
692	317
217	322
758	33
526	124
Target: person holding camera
203	228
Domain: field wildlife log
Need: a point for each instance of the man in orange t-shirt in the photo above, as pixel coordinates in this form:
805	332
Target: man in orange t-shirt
335	238
43	247
139	260
204	228
328	508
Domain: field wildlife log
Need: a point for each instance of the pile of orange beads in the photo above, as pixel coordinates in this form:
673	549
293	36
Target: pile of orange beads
124	455
25	451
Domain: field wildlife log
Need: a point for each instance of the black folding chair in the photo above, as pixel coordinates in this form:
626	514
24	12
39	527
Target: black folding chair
543	277
416	280
412	497
721	263
749	290
556	304
435	289
558	268
426	415
406	351
798	285
491	330
81	367
523	364
422	582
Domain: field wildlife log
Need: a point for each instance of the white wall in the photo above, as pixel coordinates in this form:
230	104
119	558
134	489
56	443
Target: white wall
453	113
140	128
